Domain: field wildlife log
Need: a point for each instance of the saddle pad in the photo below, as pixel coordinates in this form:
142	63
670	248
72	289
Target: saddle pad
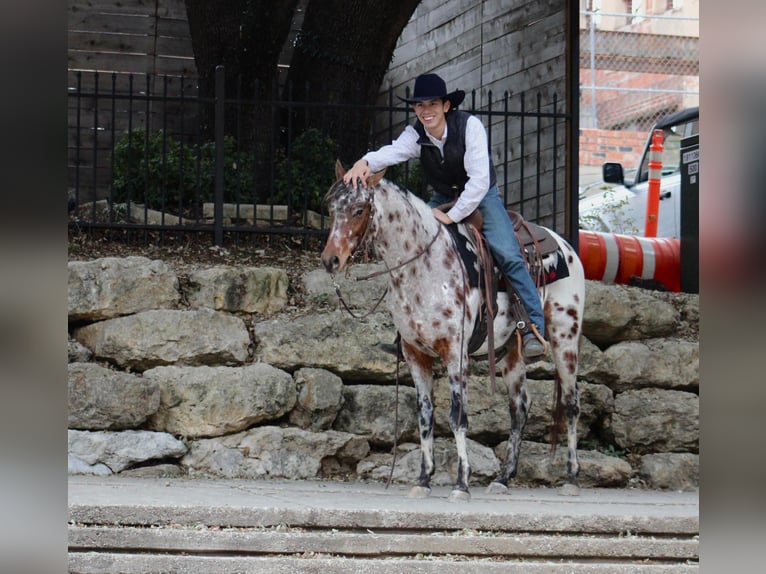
554	269
554	263
467	253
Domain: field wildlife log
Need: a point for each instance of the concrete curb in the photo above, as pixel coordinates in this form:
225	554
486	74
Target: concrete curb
121	524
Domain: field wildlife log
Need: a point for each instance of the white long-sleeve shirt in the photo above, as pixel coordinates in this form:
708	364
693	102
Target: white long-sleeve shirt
475	162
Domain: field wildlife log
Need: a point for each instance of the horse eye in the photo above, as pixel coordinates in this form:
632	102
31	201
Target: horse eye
358	211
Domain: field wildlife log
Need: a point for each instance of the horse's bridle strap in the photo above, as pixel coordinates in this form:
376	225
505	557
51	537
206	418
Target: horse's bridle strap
402	264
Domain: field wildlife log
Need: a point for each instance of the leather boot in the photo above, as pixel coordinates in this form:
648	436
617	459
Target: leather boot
531	347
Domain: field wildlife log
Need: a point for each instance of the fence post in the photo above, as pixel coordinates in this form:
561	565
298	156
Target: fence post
220	94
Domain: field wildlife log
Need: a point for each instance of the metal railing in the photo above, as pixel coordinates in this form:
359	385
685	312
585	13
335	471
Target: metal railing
140	163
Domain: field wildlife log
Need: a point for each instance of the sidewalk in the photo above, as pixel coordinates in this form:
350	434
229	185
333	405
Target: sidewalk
247	503
184	525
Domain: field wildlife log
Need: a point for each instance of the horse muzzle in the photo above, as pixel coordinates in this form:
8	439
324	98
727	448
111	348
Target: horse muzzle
332	261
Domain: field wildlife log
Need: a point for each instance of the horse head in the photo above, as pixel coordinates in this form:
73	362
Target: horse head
351	210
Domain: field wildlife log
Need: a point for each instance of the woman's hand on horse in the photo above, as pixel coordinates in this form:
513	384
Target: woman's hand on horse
441	216
359	171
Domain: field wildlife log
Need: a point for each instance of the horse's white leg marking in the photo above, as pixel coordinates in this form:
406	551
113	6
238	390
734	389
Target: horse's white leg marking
515	377
421	368
460	492
458	419
564	320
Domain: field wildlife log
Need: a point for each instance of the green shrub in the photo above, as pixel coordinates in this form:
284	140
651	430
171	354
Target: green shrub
157	173
304	177
237	172
163	174
171	176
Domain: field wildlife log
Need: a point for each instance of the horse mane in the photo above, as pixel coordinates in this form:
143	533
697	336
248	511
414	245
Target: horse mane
336	190
339	189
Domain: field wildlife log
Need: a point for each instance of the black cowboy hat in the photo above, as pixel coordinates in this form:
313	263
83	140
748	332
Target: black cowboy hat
432	87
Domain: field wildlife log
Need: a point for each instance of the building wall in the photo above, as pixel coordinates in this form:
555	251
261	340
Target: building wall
493	50
639	61
599	146
131	36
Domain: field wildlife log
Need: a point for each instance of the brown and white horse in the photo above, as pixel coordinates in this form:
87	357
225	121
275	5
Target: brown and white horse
434	309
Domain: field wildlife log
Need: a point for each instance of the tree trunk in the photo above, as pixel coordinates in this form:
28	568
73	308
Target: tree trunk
341	56
246	37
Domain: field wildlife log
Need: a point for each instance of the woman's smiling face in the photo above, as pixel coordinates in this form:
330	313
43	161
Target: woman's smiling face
431	114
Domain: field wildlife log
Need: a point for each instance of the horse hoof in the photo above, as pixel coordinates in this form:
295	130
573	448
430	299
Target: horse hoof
459	496
497	488
569	489
419	492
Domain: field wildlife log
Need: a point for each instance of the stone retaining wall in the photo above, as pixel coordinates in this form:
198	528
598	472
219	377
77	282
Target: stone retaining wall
213	376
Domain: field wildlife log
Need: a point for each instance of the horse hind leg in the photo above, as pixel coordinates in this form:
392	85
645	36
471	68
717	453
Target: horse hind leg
514	375
566	406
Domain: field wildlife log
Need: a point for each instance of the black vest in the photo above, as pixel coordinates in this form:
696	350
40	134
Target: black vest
446	174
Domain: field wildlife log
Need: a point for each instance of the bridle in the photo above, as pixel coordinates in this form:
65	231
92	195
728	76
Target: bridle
364	241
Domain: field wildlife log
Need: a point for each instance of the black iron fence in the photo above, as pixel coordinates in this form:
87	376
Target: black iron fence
151	154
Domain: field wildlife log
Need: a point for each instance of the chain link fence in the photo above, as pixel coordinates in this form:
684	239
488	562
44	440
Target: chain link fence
636	68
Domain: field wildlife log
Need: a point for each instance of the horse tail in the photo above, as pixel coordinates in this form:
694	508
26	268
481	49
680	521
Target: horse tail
558	414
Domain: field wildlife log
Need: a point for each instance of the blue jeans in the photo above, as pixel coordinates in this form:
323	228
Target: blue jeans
498	230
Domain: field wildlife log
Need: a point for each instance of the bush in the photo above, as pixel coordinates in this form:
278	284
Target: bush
170	178
163	174
237	172
159	173
304	176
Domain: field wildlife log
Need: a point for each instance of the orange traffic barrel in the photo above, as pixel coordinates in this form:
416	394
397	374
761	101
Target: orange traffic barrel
615	258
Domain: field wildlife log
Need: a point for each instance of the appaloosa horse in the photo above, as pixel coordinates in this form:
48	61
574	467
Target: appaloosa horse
434	308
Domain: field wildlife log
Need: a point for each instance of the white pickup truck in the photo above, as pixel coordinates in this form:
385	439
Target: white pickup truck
618	203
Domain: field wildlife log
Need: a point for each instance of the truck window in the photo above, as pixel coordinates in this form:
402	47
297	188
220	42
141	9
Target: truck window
671	153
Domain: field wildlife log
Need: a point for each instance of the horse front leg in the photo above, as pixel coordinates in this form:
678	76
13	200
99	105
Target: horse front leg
514	375
421	369
458	419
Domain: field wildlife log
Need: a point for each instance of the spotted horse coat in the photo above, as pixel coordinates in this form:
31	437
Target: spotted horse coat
434	309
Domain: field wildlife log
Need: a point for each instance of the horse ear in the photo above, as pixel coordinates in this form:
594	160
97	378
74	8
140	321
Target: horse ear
340	171
375	178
